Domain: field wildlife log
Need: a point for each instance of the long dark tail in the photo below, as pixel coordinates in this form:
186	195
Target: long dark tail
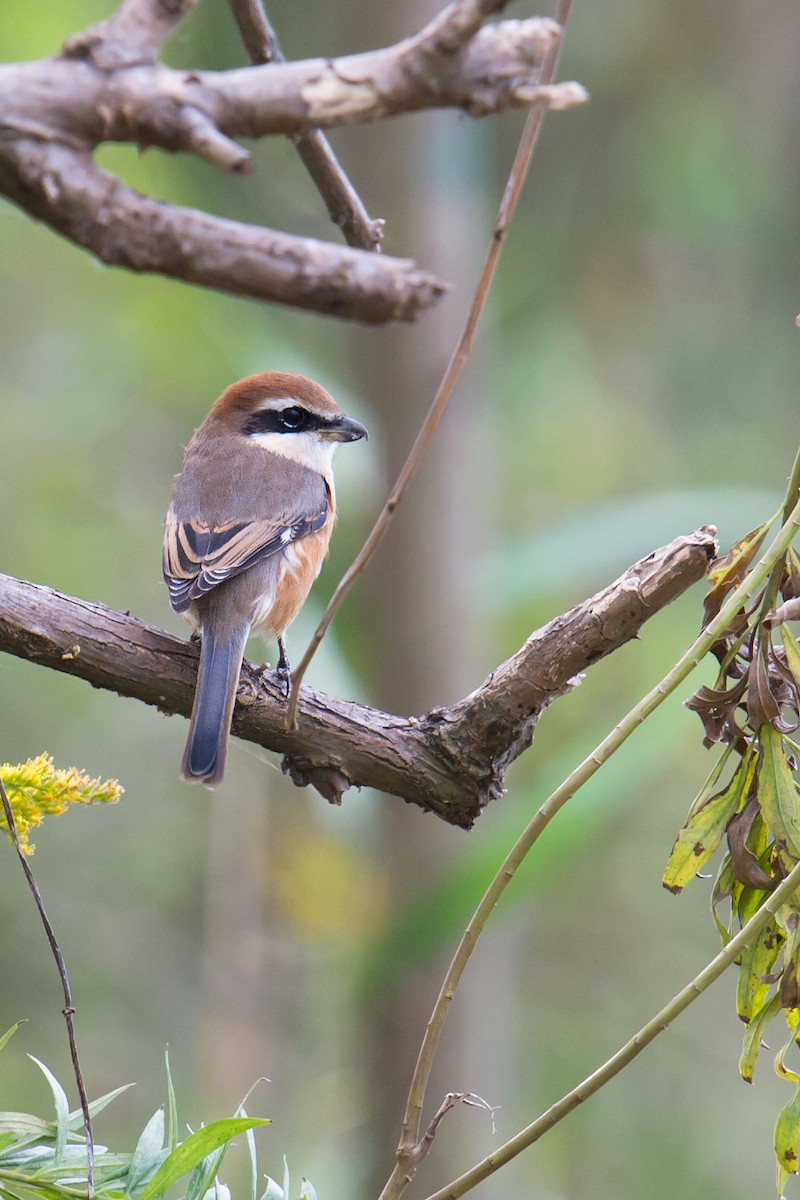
217	679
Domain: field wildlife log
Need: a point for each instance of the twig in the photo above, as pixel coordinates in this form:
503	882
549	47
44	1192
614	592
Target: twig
342	201
508	204
647	1034
69	1008
409	1150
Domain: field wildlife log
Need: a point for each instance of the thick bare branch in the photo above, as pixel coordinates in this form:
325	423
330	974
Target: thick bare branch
449	761
344	205
106	86
65	188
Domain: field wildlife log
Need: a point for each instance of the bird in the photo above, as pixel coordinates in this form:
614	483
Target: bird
246	534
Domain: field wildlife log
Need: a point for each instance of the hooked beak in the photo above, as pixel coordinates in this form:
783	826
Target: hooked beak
344	429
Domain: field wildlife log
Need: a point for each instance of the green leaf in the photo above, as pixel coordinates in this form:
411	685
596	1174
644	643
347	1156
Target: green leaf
777	793
755	964
251	1150
751	1045
704	827
75	1120
792	648
61	1105
723	889
26	1124
787	1139
9	1033
201	1180
172	1107
149	1153
197	1146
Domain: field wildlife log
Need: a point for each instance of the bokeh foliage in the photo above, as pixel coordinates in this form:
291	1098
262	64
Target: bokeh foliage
640	362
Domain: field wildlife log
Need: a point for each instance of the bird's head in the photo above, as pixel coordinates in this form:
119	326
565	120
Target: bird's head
289	415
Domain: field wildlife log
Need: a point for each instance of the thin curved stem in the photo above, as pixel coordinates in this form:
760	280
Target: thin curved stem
408	1151
513	190
648	1033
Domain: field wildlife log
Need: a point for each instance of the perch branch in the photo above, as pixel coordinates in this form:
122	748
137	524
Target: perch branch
434	761
344	205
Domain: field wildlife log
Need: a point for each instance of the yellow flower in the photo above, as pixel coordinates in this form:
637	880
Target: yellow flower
37	788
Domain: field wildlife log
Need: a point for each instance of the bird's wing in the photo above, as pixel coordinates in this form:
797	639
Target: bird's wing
198	556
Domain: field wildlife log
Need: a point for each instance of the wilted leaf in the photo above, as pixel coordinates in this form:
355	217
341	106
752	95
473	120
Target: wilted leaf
761	703
716	708
746	867
704	827
777	793
790	611
753	1035
727	573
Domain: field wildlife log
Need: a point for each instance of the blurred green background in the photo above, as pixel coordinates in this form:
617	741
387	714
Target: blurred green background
635	377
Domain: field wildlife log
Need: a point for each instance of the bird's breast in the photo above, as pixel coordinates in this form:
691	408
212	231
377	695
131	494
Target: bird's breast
300	565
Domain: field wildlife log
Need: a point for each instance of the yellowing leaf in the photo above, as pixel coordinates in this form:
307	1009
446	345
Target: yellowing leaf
752	1038
705	825
787	1139
756	963
777	793
792	649
729	571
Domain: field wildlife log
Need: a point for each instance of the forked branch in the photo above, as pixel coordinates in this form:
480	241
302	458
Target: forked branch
107	85
449	761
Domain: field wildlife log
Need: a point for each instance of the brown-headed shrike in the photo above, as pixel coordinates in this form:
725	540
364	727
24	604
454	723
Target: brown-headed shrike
246	533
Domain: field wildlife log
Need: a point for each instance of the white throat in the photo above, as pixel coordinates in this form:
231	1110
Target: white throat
308	449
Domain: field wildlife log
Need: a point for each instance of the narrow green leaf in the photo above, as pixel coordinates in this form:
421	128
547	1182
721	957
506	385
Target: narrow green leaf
9	1033
8	1139
202	1180
75	1120
792	648
755	964
172	1107
751	1045
149	1153
61	1106
777	793
251	1150
704	827
723	888
197	1146
26	1124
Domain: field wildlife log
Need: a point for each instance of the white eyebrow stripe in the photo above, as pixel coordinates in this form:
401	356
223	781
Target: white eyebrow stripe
277	402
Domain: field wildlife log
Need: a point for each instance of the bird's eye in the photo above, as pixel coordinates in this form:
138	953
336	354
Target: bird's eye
292	418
